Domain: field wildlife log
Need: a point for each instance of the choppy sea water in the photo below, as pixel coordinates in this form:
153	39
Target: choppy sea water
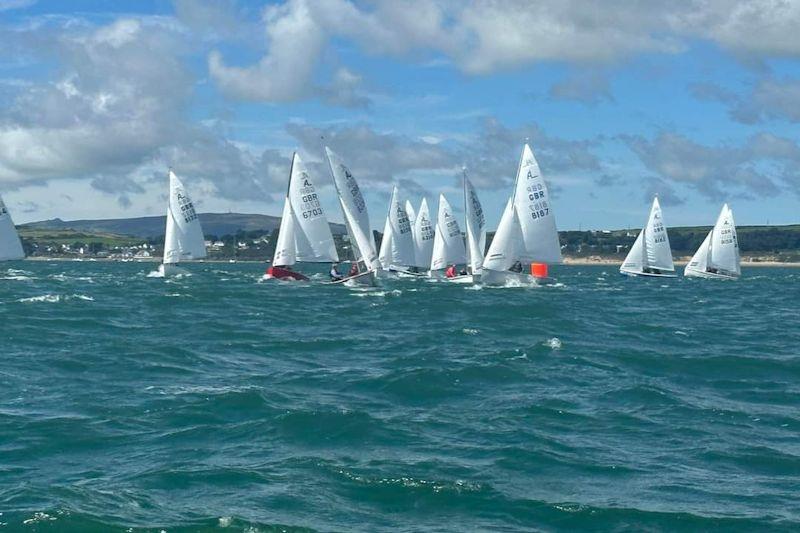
217	402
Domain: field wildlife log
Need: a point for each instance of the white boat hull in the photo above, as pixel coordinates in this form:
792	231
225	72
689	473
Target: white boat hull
171	269
689	273
495	278
647	274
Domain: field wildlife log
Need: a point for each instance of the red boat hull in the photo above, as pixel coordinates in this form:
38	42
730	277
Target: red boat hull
284	273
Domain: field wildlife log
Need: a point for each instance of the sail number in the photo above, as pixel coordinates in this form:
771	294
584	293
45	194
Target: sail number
355	192
659	233
537	197
403	224
477	210
187	208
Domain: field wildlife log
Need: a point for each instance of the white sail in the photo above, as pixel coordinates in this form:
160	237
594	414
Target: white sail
285	248
354	209
656	241
183	240
476	227
699	261
397	248
10	245
502	251
412	215
535	212
448	245
312	224
635	262
724	243
423	236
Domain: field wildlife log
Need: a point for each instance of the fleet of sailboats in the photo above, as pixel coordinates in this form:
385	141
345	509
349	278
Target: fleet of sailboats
183	237
526	237
651	255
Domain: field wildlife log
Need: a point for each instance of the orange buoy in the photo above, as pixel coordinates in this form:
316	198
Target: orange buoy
539	270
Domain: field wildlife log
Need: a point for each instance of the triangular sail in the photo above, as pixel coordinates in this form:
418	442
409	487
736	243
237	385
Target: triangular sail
423	236
635	261
285	248
312	224
10	245
699	261
476	227
503	250
724	243
657	249
448	245
412	215
397	248
183	240
535	212
354	209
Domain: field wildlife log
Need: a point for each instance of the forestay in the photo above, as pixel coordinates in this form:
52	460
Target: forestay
10	245
183	240
448	245
354	209
476	227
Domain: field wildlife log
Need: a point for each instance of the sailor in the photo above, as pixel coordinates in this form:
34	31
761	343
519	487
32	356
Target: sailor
516	267
450	272
353	269
335	275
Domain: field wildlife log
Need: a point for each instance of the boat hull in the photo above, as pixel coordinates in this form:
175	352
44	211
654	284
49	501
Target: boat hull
647	274
284	274
171	269
495	278
689	273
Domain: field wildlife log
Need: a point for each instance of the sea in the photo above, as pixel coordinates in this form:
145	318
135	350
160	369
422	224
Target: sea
218	402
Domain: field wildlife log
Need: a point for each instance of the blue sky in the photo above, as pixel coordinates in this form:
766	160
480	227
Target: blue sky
699	104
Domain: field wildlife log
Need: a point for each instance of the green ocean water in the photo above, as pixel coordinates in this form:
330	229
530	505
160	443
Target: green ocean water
215	402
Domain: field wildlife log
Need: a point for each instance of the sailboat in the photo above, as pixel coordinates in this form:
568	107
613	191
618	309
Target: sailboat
650	254
423	238
356	220
397	247
10	245
718	256
448	245
183	239
304	235
527	231
475	230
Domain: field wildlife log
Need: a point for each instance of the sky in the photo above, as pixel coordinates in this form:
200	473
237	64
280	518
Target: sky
696	101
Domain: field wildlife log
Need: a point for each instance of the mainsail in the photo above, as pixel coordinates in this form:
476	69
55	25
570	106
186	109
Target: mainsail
719	253
476	227
354	209
527	230
183	240
397	247
423	237
304	227
651	250
448	245
10	245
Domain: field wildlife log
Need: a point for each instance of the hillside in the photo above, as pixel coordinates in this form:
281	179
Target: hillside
214	224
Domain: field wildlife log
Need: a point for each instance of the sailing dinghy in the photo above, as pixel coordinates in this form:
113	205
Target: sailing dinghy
183	239
448	246
397	247
10	245
475	230
718	256
304	235
650	255
356	220
527	232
